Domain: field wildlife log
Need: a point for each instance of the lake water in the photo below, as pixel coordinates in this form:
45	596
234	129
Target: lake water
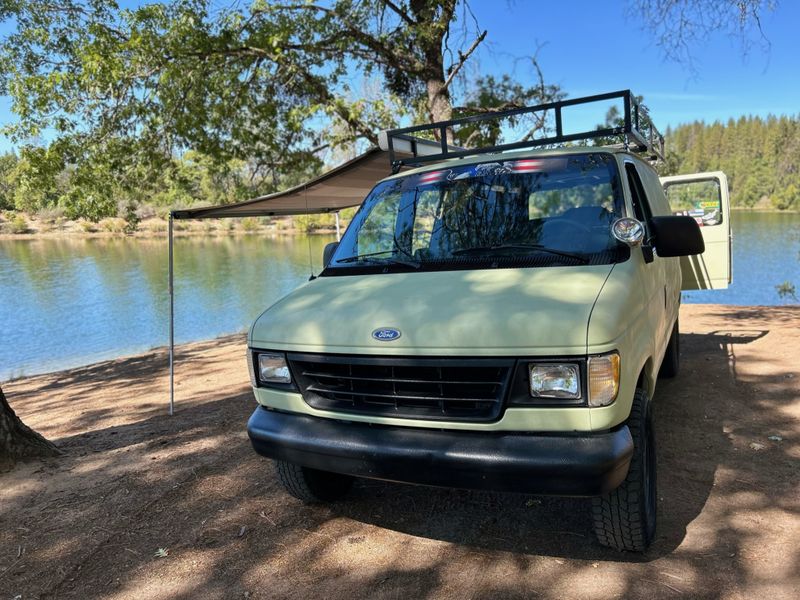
69	302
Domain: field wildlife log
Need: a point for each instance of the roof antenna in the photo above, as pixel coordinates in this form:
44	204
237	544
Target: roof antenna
310	259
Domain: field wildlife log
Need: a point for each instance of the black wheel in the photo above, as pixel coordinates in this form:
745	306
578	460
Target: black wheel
625	519
672	360
311	485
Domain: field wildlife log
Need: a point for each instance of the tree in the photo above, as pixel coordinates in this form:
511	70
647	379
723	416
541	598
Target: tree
270	84
8	183
680	27
17	440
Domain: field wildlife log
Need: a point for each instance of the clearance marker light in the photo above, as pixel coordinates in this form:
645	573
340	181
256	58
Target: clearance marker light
527	166
432	177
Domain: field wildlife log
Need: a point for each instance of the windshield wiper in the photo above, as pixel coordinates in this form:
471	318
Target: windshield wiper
521	246
373	257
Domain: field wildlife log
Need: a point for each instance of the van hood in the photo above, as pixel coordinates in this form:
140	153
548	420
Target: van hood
543	311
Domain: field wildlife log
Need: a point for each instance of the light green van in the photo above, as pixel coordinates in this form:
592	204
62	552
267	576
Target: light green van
496	321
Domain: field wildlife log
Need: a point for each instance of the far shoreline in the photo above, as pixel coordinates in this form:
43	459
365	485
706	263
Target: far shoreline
157	228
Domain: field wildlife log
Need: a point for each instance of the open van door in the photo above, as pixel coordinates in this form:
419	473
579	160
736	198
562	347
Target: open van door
704	196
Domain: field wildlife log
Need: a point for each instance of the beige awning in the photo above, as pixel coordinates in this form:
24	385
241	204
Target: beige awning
342	187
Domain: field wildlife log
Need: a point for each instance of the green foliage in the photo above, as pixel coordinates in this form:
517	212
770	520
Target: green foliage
256	90
8	179
87	226
113	225
37	178
250	224
19	224
312	223
760	156
131	216
491	94
787	291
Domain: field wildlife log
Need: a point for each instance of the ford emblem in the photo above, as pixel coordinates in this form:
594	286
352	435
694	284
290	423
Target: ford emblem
386	334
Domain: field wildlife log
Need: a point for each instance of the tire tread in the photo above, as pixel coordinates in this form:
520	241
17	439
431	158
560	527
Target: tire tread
312	486
617	516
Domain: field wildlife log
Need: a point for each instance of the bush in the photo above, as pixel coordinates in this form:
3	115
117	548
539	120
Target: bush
250	224
19	224
787	291
283	224
87	226
310	223
785	198
146	211
113	225
51	215
131	216
87	205
153	225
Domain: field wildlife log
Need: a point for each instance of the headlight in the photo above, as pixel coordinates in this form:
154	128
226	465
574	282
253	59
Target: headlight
555	380
603	379
272	368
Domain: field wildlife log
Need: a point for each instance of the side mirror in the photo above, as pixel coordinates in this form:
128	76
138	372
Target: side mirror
677	236
327	253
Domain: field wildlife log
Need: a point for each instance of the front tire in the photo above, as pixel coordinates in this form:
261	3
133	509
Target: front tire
312	486
625	519
672	360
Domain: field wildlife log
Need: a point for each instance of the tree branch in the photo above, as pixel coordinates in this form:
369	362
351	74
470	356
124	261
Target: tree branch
462	58
400	13
392	54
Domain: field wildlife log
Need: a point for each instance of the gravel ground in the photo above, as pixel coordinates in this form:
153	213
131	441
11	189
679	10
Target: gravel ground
134	484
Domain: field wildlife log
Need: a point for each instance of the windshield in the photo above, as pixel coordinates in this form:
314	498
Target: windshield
525	212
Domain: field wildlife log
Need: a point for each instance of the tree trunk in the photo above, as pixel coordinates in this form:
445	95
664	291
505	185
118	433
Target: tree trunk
430	42
17	440
439	106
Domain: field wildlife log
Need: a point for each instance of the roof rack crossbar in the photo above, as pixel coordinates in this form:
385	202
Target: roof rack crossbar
423	150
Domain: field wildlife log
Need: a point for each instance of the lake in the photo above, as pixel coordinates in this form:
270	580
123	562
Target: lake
69	302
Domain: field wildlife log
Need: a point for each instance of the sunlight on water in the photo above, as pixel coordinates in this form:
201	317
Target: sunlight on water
766	253
68	302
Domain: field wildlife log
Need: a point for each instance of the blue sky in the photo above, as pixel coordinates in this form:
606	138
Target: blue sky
589	47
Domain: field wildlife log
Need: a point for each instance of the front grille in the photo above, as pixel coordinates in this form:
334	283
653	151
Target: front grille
412	388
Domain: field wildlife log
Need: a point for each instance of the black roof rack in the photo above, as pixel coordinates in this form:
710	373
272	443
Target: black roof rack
637	131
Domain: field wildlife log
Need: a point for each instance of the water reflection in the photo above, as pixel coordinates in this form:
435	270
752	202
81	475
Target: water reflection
65	302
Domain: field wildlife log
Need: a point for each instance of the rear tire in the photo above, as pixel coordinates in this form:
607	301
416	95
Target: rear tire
625	519
312	486
672	360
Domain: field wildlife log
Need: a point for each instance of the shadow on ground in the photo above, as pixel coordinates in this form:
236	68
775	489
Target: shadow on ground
88	524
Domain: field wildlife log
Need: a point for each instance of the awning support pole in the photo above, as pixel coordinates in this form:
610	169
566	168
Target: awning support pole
171	326
338	231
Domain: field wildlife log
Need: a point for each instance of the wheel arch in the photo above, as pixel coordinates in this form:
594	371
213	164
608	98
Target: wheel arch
646	379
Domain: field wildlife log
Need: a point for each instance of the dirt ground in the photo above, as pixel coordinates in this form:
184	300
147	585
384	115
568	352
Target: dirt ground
133	480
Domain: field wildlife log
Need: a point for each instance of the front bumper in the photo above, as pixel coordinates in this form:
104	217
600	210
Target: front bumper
581	464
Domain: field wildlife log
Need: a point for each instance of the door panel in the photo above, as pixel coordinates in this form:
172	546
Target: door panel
704	196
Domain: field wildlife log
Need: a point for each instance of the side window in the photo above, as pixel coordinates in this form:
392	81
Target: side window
641	209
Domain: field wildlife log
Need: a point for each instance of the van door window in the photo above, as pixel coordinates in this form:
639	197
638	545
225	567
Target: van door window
700	199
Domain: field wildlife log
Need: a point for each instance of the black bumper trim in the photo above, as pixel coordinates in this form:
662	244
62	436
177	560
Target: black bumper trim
583	464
